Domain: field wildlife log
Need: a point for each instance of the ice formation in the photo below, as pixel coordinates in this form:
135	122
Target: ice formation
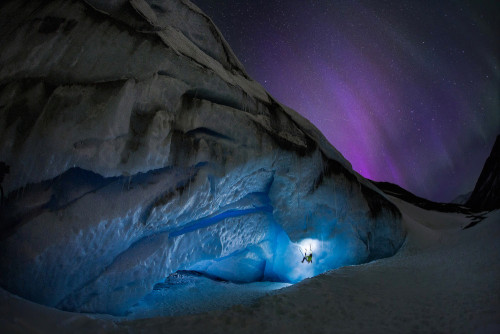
138	146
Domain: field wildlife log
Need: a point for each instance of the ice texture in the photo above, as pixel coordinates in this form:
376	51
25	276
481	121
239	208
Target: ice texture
138	146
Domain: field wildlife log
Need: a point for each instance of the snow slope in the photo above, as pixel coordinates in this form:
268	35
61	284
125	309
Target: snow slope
443	280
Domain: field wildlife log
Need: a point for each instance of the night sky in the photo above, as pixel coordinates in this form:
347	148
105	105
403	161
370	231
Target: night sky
407	91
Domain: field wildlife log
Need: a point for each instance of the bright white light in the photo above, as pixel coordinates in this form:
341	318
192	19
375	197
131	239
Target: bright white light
296	269
310	244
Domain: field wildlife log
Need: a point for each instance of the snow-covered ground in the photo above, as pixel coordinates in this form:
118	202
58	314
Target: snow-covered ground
190	294
444	280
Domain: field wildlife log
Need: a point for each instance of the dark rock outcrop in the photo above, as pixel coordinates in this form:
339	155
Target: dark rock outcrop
486	194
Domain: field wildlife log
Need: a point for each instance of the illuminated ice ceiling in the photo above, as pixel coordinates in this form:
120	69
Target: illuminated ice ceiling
138	147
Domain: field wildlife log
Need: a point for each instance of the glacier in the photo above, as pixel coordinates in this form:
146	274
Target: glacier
138	147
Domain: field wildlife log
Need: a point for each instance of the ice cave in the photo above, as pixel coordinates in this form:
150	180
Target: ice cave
143	149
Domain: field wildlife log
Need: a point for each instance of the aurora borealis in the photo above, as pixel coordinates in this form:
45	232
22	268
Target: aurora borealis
407	91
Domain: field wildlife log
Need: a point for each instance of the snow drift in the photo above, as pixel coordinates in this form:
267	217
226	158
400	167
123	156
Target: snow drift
138	146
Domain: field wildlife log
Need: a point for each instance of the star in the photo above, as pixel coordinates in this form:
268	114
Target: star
359	64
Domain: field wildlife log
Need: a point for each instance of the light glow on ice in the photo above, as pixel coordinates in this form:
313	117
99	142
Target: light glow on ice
304	269
289	265
309	244
187	293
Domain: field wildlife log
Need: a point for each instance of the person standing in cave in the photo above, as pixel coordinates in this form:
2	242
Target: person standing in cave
4	169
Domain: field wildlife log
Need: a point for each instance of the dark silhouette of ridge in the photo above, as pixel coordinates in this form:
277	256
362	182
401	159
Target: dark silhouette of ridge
485	197
397	191
486	193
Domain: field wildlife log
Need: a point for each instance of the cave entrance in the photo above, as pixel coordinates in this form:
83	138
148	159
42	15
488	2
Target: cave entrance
211	285
189	292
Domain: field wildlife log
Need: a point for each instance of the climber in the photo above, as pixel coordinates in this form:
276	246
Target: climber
4	169
308	257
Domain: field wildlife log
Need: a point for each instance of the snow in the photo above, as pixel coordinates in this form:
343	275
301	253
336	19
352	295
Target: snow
192	294
115	96
143	148
444	279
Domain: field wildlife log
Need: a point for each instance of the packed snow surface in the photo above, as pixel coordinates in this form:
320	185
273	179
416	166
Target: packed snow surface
188	293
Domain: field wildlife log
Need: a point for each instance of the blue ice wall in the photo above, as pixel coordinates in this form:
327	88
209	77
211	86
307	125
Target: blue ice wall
82	252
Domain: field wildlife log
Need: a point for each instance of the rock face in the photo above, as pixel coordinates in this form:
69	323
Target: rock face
486	194
138	146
